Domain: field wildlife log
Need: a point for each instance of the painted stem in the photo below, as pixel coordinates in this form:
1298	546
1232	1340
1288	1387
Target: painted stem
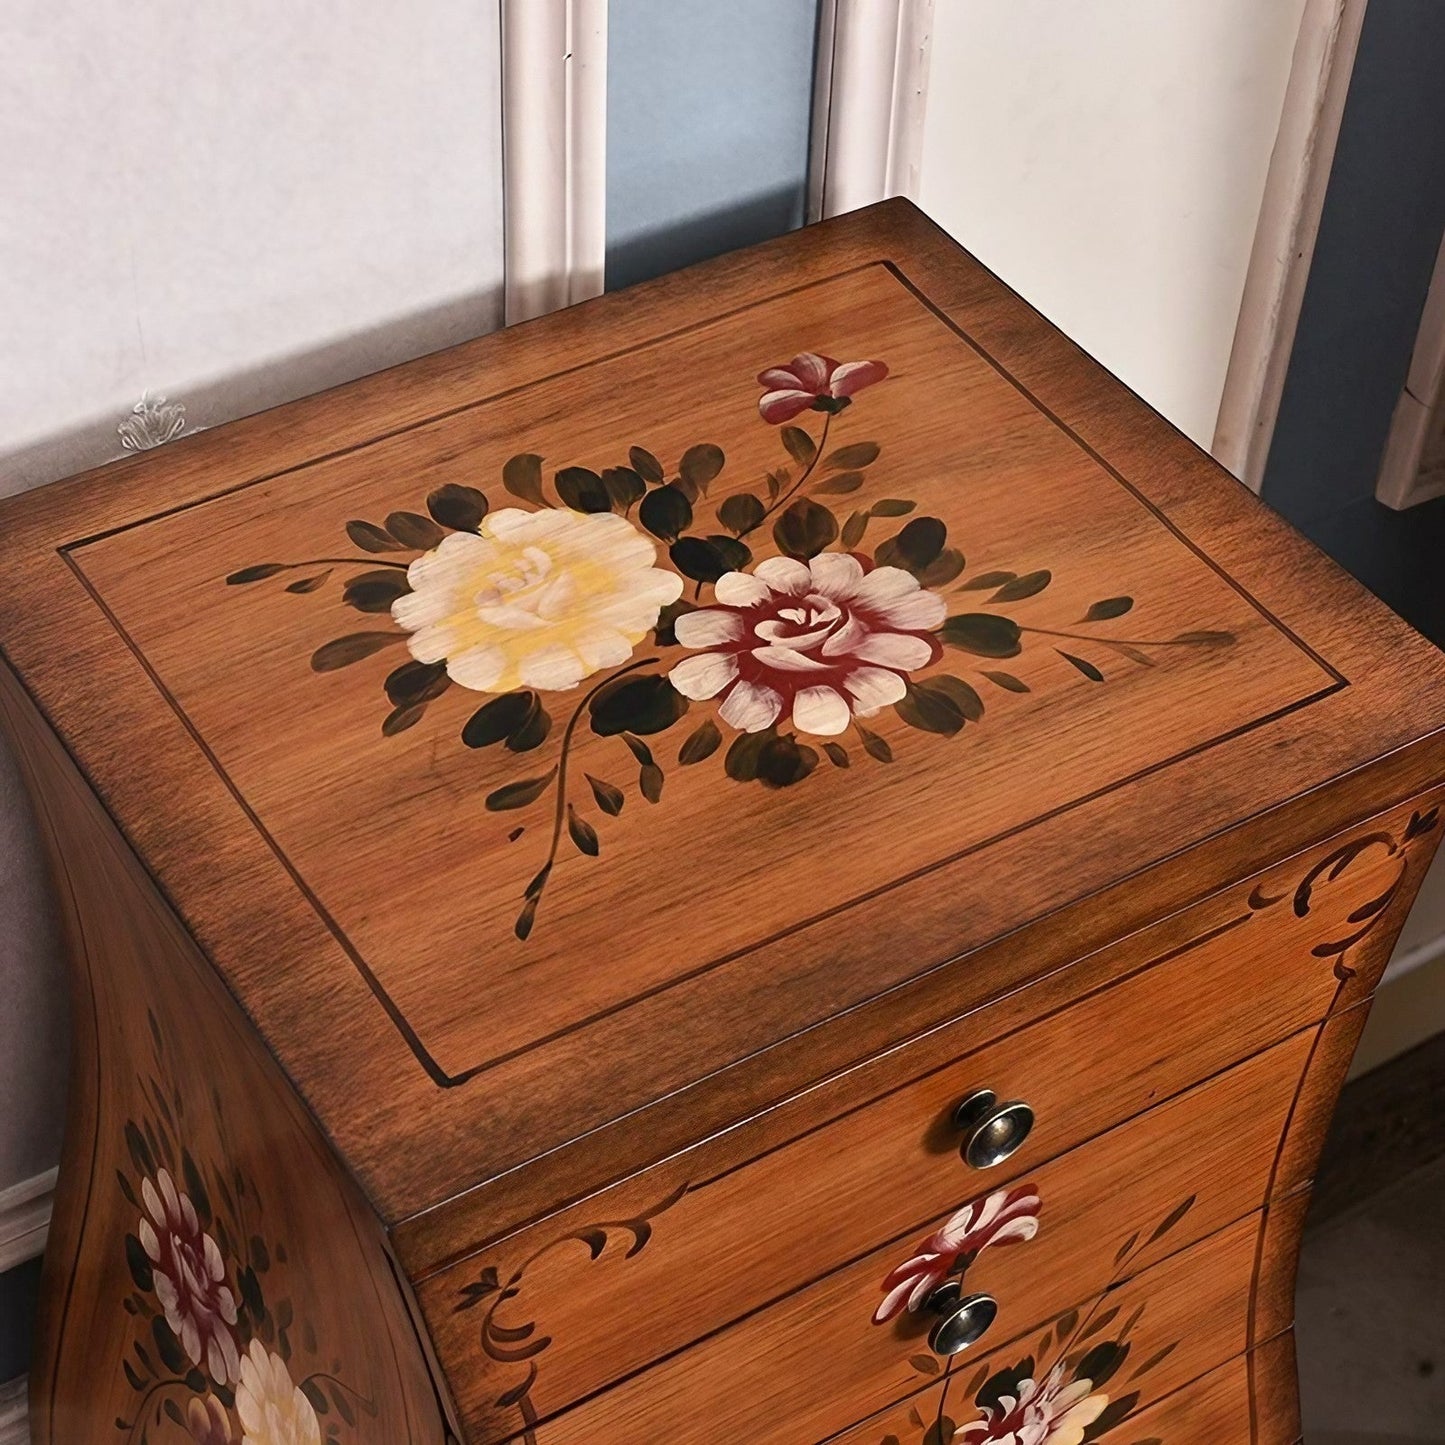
344	562
1122	641
806	473
943	1394
560	814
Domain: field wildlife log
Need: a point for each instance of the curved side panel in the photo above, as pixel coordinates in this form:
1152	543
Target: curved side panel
212	1270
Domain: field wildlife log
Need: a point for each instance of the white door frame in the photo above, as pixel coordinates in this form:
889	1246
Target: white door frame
1284	240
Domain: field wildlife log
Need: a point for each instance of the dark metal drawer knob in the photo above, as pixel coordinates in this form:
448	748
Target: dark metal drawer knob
992	1131
963	1318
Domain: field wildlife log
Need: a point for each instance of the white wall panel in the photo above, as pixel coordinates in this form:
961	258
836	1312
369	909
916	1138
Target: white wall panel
1107	158
234	204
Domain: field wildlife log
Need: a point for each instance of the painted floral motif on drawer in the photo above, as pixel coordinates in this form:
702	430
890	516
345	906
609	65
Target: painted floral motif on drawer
1068	1390
219	1354
558	610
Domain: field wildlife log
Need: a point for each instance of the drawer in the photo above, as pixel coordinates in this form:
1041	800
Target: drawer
791	1386
1145	1400
582	1309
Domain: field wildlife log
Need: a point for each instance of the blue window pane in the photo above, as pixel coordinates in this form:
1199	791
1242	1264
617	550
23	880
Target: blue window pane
707	128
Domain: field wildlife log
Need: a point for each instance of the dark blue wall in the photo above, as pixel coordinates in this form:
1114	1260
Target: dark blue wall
1383	218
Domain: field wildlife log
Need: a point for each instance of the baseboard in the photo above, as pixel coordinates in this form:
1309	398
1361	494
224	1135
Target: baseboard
25	1221
14	1409
1409	1007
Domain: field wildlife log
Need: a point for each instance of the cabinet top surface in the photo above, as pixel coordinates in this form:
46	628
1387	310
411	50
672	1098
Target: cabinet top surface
587	710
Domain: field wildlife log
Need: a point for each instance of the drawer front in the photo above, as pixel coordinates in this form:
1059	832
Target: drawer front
1214	1410
792	1389
1199	1162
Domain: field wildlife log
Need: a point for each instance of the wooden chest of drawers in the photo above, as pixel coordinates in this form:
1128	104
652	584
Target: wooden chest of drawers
773	858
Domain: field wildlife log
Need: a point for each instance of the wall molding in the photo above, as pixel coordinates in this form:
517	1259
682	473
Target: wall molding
14	1412
869	101
554	153
25	1219
1284	238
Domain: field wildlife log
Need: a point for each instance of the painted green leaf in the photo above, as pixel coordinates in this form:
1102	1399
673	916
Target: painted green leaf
1007	681
371	538
666	512
649	782
983	634
804	529
582	833
257	573
841	484
522	477
918	544
609	798
800	445
1109	607
959	693
343	651
415	682
876	747
646	465
625	486
518	795
987	579
785	761
943	569
1083	664
533	730
375	591
892	507
928	710
705	559
636	705
852	457
413	530
1029	585
702	743
1206	639
497	719
582	490
741	512
700	464
854	528
458	507
309	584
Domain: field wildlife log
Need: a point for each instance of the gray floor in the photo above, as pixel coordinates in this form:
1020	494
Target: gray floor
1370	1318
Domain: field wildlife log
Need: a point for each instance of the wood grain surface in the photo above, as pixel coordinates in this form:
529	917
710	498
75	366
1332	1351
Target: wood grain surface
729	945
181	1132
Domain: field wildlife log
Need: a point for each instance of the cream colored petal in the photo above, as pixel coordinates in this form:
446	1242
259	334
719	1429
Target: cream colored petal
896	596
874	688
894	649
836	574
750	708
478	668
555	668
710	627
149	1242
738	589
787	659
821	711
783	574
703	675
601	647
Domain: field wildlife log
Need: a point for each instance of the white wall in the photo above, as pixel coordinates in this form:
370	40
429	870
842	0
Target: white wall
1107	158
234	204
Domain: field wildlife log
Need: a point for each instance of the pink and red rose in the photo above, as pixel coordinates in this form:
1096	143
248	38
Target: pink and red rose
810	382
190	1278
821	641
1044	1412
1007	1216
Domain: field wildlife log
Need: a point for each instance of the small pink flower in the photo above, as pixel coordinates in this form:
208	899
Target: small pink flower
190	1278
810	382
1007	1216
1046	1412
824	641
